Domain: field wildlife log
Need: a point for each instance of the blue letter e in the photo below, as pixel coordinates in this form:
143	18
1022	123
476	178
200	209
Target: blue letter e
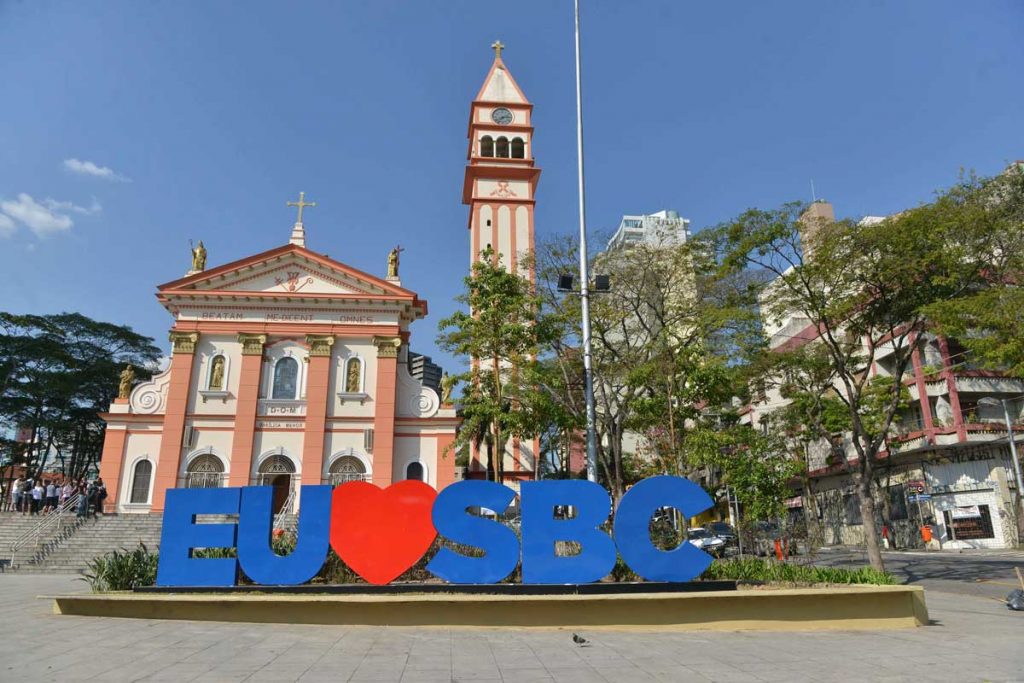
181	534
541	531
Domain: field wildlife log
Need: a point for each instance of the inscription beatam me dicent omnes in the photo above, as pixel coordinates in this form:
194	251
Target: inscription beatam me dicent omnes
275	317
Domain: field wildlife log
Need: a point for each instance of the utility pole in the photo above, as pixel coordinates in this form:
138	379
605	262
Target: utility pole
588	372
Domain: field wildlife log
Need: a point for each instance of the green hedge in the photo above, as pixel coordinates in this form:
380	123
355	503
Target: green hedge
771	571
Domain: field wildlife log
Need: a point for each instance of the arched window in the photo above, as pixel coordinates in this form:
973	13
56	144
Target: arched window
414	471
347	468
140	481
218	373
206	471
354	376
286	379
487	146
518	148
502	147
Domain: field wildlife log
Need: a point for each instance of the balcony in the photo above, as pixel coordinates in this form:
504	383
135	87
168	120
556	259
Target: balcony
985	384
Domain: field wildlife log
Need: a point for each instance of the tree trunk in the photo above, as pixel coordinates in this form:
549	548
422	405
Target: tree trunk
867	513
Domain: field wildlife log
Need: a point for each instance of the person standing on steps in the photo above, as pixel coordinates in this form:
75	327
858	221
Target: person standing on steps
16	494
37	498
83	500
101	495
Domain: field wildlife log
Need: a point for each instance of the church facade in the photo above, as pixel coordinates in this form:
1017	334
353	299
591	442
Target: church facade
287	368
291	368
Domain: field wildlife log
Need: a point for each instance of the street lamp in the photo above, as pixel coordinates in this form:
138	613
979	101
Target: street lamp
588	373
989	401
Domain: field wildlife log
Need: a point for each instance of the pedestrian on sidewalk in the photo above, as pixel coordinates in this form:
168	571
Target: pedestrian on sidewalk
26	496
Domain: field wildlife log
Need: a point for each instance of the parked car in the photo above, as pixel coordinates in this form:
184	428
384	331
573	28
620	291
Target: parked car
705	540
723	531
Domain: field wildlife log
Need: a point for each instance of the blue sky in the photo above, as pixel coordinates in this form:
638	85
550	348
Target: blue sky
201	119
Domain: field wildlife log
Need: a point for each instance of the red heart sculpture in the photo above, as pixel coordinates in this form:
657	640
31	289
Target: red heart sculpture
380	533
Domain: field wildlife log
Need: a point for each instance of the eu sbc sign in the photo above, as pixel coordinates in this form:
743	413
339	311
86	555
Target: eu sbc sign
380	533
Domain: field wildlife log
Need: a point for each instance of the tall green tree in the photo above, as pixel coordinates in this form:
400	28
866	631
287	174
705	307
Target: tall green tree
499	335
988	319
862	289
57	373
661	339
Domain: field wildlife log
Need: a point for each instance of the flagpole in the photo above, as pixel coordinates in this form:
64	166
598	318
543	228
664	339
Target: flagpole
588	373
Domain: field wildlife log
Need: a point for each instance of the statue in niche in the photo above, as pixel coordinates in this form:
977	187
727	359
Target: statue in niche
127	378
199	257
217	373
352	376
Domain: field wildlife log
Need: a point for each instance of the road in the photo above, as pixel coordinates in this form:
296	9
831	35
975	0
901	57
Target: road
979	573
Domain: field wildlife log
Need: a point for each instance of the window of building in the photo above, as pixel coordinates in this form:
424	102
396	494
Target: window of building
414	471
968	523
487	146
852	505
501	147
140	481
518	148
286	379
897	502
206	471
347	468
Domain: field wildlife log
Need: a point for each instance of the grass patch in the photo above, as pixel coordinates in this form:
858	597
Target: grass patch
756	569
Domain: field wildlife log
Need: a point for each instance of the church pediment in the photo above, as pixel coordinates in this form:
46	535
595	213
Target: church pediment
286	271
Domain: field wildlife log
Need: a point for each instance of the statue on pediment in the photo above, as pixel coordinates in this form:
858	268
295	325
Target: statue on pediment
199	257
393	261
127	379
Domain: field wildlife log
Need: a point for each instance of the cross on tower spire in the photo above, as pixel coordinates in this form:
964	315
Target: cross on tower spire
298	232
498	47
301	203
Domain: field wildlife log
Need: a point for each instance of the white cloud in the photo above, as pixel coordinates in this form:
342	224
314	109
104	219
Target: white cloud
91	210
95	170
7	226
39	218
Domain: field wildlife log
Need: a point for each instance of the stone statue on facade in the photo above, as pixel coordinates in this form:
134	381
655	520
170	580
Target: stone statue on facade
217	373
199	257
127	379
447	385
393	261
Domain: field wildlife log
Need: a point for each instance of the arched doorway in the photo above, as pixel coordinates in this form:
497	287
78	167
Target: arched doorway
206	471
277	471
346	468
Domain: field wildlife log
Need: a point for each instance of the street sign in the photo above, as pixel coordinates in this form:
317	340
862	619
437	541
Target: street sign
919	497
916	486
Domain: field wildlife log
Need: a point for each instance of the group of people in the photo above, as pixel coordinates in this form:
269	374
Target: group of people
43	496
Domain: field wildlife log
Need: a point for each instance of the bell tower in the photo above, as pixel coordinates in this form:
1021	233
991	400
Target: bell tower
501	179
500	186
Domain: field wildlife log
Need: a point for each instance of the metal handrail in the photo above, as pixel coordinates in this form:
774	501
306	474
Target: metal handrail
55	518
289	502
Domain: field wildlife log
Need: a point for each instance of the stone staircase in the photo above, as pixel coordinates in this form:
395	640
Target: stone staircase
82	540
14	526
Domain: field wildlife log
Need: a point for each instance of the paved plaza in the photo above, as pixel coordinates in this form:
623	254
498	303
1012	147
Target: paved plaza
972	638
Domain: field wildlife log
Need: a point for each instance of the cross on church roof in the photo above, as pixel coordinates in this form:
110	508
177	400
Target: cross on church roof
301	203
498	47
